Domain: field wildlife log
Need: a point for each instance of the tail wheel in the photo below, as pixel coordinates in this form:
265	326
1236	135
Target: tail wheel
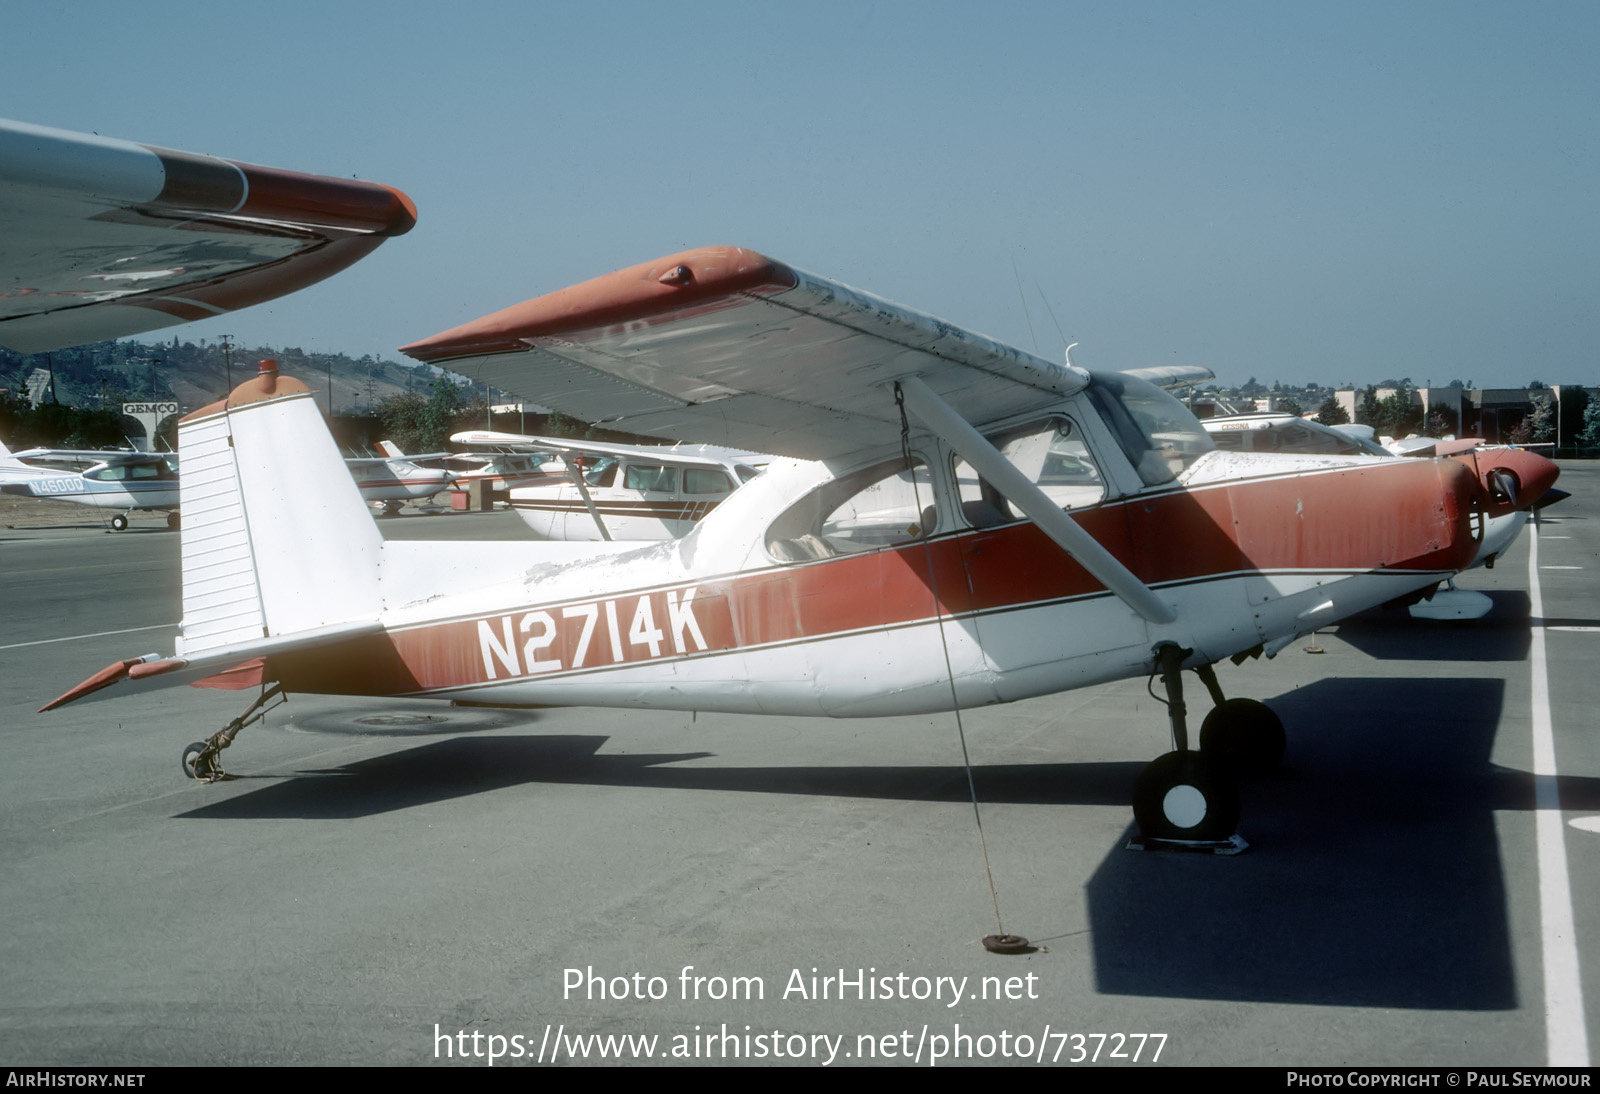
1244	736
1182	796
196	764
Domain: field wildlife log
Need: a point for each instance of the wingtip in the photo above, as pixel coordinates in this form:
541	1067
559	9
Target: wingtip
637	293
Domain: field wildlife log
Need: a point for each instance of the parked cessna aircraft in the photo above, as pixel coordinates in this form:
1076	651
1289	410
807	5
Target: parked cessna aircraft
1280	431
129	481
391	481
1105	536
502	470
624	491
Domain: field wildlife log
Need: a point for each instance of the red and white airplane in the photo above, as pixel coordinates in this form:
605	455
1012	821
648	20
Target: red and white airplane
502	470
391	481
958	523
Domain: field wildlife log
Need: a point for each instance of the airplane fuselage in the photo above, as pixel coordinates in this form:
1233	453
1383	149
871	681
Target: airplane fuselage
83	489
1266	548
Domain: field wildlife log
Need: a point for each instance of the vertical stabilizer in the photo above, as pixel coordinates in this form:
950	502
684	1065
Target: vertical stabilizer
276	538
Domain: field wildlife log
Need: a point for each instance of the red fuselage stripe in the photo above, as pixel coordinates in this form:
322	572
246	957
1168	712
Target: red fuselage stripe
1399	518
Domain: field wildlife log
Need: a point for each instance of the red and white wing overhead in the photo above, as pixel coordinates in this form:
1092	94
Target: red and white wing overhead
725	345
101	238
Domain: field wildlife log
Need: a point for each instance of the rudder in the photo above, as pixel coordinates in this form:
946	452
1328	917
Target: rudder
275	536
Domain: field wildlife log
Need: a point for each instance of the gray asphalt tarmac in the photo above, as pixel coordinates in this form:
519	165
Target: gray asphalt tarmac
383	880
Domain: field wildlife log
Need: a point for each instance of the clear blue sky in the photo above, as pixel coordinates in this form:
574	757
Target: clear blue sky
1329	192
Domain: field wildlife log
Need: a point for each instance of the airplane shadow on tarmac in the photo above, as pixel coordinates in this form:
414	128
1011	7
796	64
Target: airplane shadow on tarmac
1374	877
1392	635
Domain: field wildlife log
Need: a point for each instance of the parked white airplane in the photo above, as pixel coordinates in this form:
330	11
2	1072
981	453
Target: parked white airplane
1171	555
391	481
129	481
605	491
501	470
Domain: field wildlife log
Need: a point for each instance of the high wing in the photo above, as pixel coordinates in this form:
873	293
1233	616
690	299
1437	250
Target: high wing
1172	376
91	457
699	455
101	238
729	346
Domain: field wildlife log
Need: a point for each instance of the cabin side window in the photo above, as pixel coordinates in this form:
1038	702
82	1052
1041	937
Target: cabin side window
704	480
880	506
650	477
1051	454
603	473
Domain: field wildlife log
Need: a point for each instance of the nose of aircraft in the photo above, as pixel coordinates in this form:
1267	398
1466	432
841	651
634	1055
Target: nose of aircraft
1513	478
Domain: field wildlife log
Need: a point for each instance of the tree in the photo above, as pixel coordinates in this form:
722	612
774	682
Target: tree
402	419
1397	415
1291	406
1331	413
416	424
1590	436
1367	407
559	425
1539	426
1440	422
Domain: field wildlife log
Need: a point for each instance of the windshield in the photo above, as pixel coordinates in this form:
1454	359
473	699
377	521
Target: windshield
1157	433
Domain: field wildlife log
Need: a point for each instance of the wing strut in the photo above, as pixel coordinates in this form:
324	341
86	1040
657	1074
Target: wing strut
937	415
575	471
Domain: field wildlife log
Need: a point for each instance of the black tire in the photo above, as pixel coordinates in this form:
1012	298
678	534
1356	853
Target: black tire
1182	796
120	522
172	521
1244	737
193	765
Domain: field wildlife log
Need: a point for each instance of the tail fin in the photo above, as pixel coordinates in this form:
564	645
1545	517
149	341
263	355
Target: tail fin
390	449
276	539
8	460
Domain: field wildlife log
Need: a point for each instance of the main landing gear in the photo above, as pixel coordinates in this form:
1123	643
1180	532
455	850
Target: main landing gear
1189	800
200	758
